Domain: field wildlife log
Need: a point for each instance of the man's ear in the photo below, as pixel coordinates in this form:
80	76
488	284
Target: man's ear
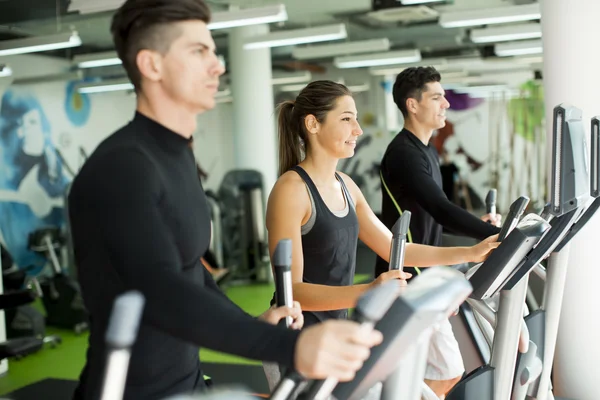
149	64
412	105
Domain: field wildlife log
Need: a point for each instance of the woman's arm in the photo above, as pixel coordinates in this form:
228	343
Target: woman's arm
287	209
379	239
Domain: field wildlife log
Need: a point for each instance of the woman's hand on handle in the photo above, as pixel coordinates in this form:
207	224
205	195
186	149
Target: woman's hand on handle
481	251
393	274
275	314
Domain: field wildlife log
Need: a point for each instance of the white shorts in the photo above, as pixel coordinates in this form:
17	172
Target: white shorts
444	361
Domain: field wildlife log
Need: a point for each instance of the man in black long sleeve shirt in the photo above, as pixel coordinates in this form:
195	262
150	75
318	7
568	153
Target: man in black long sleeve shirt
411	180
410	170
140	220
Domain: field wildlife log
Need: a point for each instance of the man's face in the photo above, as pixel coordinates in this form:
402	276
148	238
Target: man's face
190	70
431	110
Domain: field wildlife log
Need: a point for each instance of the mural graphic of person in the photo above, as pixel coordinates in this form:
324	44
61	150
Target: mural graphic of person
32	181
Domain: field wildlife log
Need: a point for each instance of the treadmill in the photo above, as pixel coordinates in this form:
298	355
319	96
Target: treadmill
494	381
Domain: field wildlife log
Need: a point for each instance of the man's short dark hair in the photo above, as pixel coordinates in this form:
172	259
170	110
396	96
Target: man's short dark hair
151	24
411	83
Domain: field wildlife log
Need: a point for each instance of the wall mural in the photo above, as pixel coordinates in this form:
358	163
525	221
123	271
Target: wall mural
464	152
462	145
33	177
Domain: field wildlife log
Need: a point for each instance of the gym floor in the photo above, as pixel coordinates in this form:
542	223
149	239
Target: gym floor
66	361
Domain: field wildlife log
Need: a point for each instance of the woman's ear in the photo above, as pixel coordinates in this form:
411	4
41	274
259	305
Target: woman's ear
311	124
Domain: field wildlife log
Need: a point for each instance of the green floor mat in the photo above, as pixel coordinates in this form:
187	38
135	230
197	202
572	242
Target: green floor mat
65	361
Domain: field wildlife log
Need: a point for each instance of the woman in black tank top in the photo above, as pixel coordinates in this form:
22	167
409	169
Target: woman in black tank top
324	213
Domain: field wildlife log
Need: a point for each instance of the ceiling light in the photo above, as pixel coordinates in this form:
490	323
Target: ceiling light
59	77
413	2
488	16
437	63
39	44
338	49
525	47
97	60
372	60
287	78
105	86
297	36
359	88
506	32
93	6
291	88
251	16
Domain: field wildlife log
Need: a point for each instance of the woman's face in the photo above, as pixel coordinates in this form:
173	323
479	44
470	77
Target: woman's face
32	133
338	133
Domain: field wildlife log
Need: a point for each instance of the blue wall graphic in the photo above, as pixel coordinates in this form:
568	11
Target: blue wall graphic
32	181
77	105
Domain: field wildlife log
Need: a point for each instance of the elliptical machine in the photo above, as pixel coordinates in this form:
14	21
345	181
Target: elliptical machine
245	249
61	294
503	378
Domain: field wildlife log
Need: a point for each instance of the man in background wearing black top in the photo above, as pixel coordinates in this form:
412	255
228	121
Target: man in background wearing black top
411	180
140	220
410	168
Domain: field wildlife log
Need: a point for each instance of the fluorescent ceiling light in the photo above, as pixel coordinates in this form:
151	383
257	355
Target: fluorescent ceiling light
359	88
536	59
97	60
291	88
507	78
437	63
252	16
114	85
5	71
372	60
105	86
59	77
480	88
298	36
521	48
287	78
109	58
93	6
413	2
39	43
454	75
506	32
488	16
488	91
338	49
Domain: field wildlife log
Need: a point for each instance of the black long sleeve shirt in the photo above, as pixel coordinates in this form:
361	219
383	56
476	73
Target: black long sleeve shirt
411	172
140	220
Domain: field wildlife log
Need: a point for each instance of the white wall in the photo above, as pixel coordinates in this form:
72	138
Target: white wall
213	144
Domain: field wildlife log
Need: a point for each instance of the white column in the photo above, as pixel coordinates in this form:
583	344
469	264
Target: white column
254	135
571	65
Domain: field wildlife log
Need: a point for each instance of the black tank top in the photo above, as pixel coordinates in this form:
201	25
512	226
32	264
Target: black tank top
329	248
